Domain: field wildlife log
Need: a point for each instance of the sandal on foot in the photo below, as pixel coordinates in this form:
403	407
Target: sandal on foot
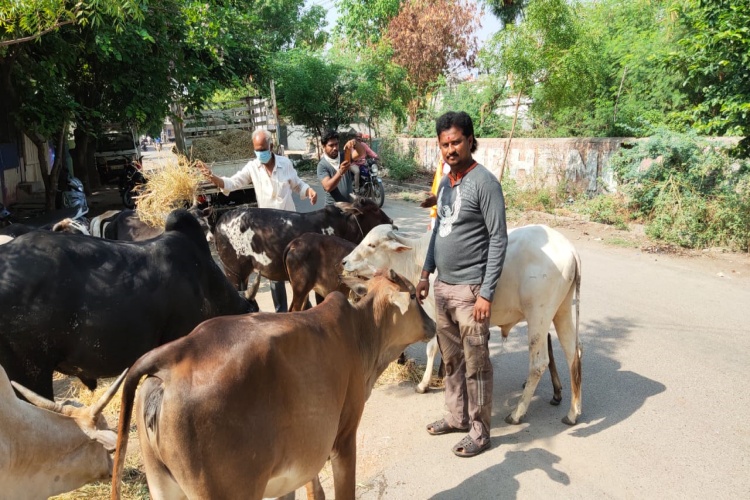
443	427
467	447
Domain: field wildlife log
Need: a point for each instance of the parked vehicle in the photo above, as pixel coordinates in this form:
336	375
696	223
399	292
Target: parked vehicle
370	185
113	151
211	195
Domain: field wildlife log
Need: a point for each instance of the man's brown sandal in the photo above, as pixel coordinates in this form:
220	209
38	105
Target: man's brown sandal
467	447
442	427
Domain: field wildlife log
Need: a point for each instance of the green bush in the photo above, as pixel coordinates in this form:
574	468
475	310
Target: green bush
400	165
606	209
693	193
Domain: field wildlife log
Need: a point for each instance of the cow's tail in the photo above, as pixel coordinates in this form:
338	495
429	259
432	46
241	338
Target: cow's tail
148	364
579	350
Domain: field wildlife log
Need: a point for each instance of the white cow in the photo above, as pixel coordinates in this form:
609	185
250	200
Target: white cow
541	275
51	448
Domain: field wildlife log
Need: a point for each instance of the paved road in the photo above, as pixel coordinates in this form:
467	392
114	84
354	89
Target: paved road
665	411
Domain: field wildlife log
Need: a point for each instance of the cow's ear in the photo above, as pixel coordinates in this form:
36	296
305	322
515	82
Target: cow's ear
105	437
398	247
355	284
401	300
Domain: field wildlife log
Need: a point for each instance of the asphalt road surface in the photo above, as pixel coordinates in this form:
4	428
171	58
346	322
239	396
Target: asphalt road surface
666	413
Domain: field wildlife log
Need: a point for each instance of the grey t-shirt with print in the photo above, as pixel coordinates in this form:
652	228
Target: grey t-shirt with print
470	236
345	187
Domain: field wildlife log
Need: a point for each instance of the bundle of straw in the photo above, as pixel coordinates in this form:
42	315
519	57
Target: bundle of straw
167	188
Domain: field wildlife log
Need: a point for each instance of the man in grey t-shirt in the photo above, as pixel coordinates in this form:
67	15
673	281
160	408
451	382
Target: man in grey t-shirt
467	249
334	173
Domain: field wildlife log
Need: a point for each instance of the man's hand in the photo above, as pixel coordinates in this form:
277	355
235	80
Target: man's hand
482	309
423	290
429	201
312	196
344	167
204	169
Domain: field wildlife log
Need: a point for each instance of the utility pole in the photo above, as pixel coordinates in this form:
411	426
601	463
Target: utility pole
275	116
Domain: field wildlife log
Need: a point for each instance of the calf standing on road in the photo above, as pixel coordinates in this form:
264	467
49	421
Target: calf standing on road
274	178
467	248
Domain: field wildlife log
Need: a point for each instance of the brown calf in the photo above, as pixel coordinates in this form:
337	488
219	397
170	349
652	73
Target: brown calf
252	406
313	262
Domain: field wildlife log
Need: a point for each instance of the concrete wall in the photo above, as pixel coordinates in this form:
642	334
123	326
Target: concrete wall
538	162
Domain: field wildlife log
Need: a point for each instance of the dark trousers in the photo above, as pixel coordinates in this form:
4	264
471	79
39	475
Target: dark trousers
278	294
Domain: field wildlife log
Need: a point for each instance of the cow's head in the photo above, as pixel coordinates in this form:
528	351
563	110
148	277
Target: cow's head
73	226
377	250
80	443
395	310
366	214
207	220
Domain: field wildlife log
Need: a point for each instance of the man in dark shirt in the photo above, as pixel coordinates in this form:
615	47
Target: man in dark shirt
467	249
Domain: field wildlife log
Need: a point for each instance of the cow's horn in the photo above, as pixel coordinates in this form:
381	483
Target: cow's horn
399	238
401	281
41	401
97	408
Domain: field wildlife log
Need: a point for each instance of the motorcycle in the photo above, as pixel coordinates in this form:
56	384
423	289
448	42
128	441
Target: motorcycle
6	218
74	196
131	177
370	185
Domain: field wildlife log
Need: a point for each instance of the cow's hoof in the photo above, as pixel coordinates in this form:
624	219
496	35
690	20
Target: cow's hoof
555	401
422	390
509	420
567	421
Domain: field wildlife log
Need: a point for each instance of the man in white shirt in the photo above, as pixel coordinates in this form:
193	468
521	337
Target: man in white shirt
274	178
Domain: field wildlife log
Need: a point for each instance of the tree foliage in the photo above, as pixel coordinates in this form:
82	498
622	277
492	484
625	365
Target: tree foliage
714	55
508	11
361	22
27	20
427	43
313	92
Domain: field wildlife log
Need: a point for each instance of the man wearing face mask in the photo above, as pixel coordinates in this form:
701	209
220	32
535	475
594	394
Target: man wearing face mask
273	178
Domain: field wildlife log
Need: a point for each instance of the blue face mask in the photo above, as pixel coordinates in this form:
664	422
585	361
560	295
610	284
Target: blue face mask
264	156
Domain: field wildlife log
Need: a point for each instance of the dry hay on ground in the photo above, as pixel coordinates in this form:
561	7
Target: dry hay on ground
231	145
166	189
409	372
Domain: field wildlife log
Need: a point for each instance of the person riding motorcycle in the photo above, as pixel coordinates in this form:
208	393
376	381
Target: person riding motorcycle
360	152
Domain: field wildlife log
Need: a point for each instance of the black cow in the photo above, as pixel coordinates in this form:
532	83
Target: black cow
124	225
253	239
90	307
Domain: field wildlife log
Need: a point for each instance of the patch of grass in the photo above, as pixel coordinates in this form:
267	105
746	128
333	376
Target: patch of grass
621	242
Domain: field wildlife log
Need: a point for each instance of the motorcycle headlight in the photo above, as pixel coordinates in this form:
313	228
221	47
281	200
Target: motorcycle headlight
374	169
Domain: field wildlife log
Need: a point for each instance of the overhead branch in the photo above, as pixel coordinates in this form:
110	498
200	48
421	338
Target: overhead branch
34	37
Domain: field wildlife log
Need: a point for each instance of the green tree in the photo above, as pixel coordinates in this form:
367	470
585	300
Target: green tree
313	92
714	56
24	21
362	22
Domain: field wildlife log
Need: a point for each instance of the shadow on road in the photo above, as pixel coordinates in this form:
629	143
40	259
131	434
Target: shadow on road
499	480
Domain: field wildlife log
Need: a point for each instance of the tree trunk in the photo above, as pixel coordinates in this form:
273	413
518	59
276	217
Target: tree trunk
80	159
179	135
